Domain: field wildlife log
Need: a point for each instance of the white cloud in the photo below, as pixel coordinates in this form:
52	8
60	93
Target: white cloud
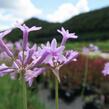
20	7
13	10
68	10
64	12
82	6
19	10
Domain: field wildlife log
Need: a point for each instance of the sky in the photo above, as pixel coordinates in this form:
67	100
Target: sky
49	10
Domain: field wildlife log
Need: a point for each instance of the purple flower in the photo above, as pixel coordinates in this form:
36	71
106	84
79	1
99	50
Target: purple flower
33	61
93	48
3	45
71	56
18	46
25	65
85	50
55	54
26	31
56	57
10	45
29	56
106	69
5	70
4	56
90	48
21	62
66	35
4	33
31	74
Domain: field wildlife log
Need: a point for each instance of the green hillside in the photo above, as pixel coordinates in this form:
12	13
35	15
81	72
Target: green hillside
93	25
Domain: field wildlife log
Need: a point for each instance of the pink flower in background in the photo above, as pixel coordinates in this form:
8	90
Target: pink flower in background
10	45
85	50
4	56
91	48
18	45
106	69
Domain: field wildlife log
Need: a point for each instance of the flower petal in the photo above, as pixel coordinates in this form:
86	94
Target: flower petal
2	34
53	44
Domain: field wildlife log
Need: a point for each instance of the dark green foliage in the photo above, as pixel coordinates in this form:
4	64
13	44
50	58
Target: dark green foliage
94	21
15	35
92	26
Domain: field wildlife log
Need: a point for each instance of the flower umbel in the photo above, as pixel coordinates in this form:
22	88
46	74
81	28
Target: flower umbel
22	61
57	57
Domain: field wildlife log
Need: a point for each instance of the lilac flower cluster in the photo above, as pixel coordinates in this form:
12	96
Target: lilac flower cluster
33	61
14	47
90	48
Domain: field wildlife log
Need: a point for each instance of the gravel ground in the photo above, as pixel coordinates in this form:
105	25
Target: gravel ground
44	96
50	103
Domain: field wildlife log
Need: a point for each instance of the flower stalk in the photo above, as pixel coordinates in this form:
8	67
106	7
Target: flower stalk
85	78
56	93
23	92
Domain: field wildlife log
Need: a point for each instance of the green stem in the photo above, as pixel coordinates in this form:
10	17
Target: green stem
23	92
56	93
85	77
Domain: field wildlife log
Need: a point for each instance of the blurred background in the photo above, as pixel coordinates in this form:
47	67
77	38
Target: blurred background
89	20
